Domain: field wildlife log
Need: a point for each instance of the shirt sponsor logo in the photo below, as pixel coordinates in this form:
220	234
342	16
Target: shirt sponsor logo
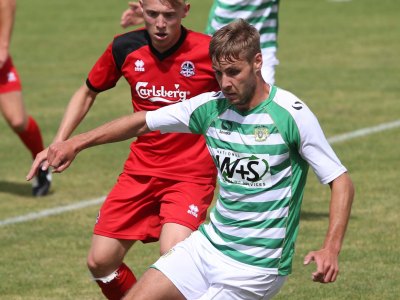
160	94
251	170
139	65
187	69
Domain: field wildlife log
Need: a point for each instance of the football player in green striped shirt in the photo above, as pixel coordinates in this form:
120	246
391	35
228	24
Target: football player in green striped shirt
262	14
263	140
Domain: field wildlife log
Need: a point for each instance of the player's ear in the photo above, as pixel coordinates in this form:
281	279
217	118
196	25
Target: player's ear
258	62
186	9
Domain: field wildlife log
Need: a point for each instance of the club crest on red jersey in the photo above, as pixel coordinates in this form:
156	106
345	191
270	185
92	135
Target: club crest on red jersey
187	69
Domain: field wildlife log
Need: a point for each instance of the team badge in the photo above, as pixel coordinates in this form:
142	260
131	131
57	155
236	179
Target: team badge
261	133
187	69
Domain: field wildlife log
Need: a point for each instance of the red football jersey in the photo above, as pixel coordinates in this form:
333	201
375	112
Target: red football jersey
159	79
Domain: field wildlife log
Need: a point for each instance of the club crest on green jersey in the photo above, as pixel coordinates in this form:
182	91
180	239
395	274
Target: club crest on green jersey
261	133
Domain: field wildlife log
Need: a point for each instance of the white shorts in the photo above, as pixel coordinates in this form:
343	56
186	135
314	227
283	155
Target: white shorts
200	272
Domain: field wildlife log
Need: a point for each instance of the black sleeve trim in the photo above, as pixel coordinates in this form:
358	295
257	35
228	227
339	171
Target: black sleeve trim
96	90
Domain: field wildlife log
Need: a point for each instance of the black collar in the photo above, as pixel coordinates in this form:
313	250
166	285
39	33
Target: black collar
171	50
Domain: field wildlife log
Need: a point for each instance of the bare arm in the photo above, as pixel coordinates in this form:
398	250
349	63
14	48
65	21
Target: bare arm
7	15
60	155
342	194
120	129
76	110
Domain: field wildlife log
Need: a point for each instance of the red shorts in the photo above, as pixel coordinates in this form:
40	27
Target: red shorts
138	206
9	78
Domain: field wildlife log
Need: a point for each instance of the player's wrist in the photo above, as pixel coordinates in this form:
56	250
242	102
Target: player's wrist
333	248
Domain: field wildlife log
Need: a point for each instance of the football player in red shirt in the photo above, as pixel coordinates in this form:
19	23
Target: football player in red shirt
168	180
11	103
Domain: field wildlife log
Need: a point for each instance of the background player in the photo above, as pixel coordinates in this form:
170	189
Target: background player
262	14
11	104
132	16
168	181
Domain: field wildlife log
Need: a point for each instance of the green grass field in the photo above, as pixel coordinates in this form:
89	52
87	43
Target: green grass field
342	58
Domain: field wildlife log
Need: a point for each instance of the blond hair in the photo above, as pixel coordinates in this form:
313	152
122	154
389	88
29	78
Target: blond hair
174	3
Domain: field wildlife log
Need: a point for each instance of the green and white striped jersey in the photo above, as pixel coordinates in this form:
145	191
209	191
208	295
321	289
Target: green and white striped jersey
262	157
262	14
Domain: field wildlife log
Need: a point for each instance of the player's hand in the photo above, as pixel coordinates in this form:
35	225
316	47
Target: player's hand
39	162
61	155
132	16
327	265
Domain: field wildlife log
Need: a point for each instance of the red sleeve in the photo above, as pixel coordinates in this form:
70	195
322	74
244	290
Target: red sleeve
104	74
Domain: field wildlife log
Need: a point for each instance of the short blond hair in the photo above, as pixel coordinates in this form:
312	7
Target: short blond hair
237	40
174	3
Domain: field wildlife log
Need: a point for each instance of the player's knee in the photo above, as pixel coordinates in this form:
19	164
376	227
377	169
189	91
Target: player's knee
17	124
102	265
96	265
91	264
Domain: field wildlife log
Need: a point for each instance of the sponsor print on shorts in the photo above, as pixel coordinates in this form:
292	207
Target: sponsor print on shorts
98	217
168	253
11	77
193	210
